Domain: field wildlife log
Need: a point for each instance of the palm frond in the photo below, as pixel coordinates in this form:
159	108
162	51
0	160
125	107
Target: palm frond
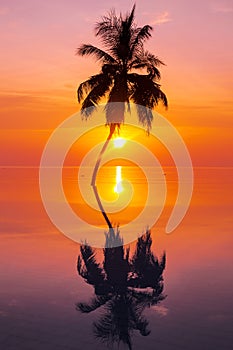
154	60
142	324
90	50
116	33
116	324
94	304
130	17
142	96
93	81
146	267
113	238
145	92
86	86
87	266
162	263
148	61
108	29
94	96
141	34
159	95
144	299
109	24
152	70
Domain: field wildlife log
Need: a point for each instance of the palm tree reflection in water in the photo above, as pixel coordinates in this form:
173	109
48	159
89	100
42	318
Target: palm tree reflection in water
124	286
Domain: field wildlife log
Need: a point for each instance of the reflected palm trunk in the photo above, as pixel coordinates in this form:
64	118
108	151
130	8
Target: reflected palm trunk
94	175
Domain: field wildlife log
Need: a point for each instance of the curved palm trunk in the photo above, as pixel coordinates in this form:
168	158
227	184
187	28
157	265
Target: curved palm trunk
94	175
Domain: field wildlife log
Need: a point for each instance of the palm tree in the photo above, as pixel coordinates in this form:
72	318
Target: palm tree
123	53
123	286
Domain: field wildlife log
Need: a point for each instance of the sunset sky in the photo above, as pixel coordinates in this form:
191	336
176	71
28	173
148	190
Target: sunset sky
40	207
40	72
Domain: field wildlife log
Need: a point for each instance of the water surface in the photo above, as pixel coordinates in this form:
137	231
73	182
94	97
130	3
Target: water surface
40	284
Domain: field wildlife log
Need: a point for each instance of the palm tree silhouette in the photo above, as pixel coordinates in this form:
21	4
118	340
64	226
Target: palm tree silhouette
123	286
123	54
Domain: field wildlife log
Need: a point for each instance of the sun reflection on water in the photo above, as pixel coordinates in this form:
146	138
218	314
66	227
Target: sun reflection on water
118	187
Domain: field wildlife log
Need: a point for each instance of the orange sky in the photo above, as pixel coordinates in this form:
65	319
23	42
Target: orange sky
40	72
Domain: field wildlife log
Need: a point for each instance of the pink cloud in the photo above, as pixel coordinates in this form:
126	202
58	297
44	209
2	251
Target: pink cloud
3	11
222	7
162	18
161	310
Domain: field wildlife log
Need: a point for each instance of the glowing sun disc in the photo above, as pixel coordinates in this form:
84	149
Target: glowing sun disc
119	142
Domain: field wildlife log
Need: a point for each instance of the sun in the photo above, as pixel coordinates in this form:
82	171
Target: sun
119	142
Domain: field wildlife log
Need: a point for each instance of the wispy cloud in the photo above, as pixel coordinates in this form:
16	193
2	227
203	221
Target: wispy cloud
4	11
222	7
162	18
15	98
161	310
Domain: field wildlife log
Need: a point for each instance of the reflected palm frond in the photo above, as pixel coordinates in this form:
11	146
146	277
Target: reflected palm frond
124	286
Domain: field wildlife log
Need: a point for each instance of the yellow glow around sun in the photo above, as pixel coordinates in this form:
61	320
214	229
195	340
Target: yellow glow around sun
119	142
118	188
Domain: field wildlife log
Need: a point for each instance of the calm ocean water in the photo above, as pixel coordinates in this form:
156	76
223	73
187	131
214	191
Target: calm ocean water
40	285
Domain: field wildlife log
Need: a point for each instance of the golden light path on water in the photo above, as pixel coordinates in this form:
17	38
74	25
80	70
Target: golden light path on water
118	188
118	143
